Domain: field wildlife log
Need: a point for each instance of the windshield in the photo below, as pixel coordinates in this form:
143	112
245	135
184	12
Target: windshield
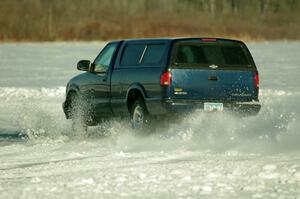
206	54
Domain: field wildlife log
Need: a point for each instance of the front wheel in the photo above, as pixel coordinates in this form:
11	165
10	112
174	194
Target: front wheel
78	115
139	115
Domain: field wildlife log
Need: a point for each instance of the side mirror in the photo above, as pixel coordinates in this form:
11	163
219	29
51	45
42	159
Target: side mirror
83	65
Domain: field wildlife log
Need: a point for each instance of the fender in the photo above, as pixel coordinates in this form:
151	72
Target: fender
72	88
138	87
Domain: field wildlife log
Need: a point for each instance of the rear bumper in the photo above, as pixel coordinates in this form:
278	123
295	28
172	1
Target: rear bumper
179	106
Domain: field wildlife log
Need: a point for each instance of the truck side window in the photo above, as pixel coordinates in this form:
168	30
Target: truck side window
132	54
103	60
154	54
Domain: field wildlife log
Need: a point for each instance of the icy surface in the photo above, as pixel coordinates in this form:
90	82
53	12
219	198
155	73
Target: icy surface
200	156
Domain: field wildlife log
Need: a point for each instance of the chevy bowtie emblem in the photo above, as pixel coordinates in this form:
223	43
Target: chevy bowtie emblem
213	66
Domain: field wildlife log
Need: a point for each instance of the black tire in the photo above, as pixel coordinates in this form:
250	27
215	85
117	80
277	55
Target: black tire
78	114
139	115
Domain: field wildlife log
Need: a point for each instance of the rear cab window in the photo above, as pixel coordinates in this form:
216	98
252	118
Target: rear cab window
143	55
225	55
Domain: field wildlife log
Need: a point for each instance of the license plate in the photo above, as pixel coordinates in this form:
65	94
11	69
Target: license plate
213	106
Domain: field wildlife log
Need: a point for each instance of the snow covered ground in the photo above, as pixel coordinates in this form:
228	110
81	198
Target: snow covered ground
201	156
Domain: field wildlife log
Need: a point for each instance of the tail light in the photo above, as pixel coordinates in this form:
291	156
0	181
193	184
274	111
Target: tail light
166	78
256	80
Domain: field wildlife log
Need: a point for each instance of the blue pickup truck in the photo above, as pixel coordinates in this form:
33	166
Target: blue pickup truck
142	78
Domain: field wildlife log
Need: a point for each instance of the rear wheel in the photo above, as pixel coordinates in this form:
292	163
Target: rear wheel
78	115
139	115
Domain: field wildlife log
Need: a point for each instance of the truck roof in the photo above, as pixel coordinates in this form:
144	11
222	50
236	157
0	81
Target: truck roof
204	39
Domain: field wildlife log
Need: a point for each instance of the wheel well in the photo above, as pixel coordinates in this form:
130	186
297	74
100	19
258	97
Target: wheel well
133	95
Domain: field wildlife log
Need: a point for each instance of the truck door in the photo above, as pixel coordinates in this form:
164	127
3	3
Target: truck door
99	87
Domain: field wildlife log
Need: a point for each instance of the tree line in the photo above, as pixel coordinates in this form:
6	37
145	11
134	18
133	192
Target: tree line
51	20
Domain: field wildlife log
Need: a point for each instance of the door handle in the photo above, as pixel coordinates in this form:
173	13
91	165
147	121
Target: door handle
213	78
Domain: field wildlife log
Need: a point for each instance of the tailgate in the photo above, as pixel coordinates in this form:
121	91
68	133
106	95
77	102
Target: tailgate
218	70
217	85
